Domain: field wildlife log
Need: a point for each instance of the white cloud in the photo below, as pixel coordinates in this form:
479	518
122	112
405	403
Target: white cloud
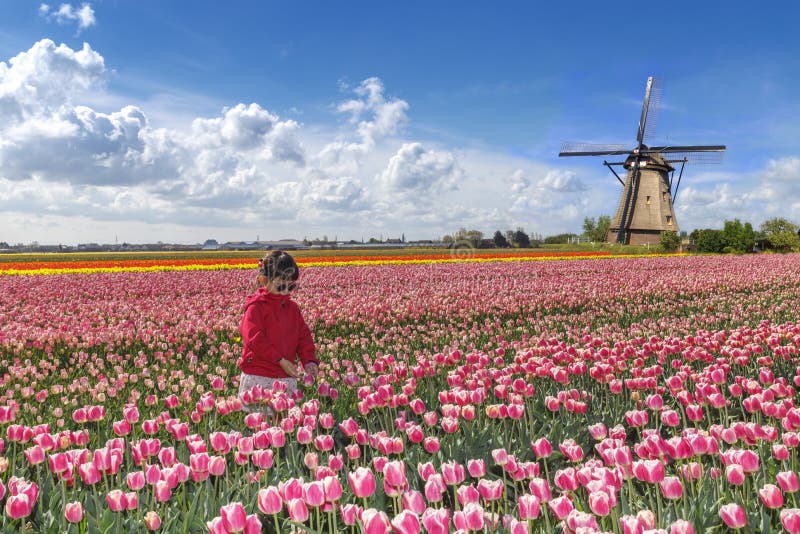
773	191
415	170
67	14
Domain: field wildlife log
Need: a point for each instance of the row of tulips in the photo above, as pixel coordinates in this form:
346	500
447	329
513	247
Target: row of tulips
221	263
650	394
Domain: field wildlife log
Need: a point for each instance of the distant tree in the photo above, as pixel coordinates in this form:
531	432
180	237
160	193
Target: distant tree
500	240
781	234
708	240
738	237
3	244
670	241
373	241
521	239
510	238
560	239
471	237
447	239
597	231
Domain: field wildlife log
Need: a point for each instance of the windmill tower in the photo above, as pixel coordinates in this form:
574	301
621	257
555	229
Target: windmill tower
646	205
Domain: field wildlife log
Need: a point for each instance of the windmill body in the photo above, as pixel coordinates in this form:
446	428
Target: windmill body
645	207
646	195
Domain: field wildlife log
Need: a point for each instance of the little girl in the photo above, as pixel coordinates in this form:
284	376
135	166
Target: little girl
274	333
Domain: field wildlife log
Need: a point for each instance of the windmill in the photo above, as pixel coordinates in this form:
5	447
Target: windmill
648	193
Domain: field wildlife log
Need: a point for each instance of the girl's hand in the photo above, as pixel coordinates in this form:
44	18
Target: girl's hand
289	368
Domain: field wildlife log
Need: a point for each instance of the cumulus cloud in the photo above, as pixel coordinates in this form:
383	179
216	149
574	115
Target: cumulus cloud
413	169
46	77
68	14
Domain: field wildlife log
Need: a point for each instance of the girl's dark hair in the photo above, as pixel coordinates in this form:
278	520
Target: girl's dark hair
278	264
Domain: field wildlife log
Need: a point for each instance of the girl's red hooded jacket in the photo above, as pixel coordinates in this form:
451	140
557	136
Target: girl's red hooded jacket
273	328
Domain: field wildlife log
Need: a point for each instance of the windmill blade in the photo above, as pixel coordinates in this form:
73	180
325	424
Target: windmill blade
710	155
648	91
589	149
653	105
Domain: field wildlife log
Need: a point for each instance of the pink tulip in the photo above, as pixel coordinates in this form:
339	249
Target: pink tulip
362	482
671	487
116	500
631	525
350	514
131	500
561	507
733	515
216	465
395	474
735	474
597	431
435	488
152	521
269	500
233	516
162	491
431	444
790	519
771	496
600	503
406	522
467	494
375	522
529	506
73	512
18	506
252	524
314	494
298	512
542	448
490	490
540	488
436	520
414	502
453	473
787	480
681	526
476	468
470	518
135	480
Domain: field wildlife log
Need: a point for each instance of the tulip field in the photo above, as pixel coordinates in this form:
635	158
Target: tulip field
626	395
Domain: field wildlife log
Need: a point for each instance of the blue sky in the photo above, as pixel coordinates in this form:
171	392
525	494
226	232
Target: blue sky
180	121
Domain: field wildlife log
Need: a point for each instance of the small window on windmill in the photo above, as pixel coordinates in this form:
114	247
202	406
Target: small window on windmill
669	220
648	200
664	196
